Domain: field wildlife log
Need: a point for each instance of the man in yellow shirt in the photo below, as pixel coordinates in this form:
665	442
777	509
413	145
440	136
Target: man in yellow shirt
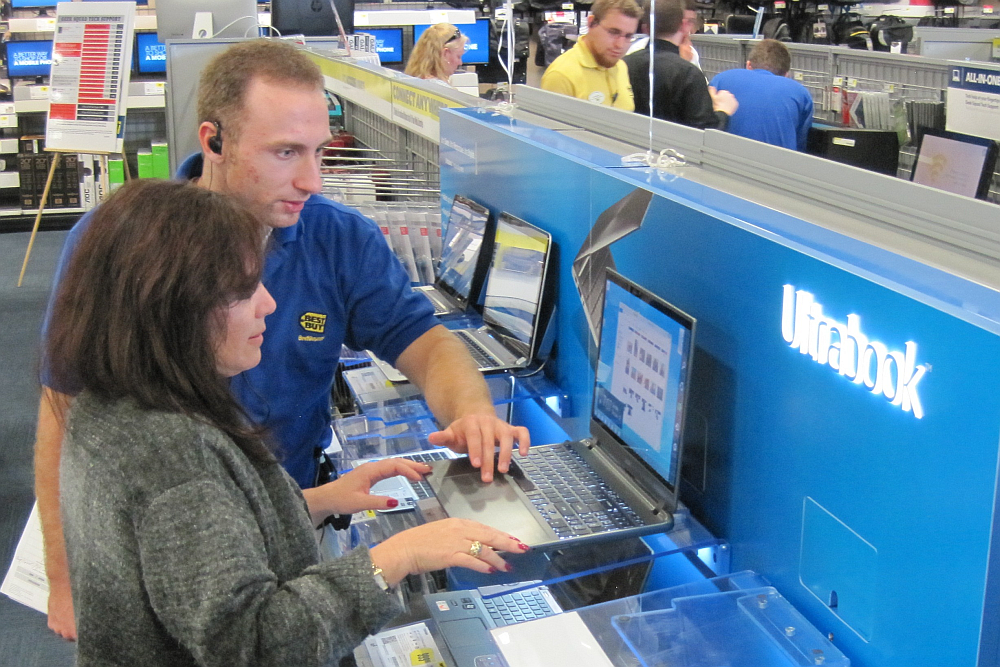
593	69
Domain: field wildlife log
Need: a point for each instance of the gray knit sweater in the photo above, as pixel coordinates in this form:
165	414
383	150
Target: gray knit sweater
183	552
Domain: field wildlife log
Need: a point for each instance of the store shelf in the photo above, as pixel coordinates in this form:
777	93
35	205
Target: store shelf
10	179
133	102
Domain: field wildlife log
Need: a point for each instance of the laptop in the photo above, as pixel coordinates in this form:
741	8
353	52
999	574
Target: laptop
623	480
464	618
515	307
462	268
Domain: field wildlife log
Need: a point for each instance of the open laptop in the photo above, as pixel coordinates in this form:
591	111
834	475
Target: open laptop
462	268
515	307
623	480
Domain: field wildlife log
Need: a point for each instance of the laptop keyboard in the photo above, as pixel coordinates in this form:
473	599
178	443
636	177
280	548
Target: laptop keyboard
571	497
517	607
478	355
422	489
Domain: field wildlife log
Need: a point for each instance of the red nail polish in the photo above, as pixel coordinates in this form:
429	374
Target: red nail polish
508	567
492	570
522	546
392	503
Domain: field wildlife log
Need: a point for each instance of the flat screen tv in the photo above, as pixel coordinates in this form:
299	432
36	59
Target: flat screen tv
29	59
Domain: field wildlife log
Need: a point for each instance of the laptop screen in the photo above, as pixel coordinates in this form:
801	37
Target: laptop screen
463	239
642	374
515	280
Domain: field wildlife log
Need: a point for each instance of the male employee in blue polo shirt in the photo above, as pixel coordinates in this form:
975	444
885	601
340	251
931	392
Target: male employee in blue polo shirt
263	125
773	108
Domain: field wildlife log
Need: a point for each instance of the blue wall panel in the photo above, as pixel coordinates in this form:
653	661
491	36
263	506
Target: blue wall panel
819	484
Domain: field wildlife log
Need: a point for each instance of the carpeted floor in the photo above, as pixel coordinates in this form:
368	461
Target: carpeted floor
25	641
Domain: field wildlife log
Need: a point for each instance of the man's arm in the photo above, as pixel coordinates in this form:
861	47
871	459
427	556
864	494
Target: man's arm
48	447
456	393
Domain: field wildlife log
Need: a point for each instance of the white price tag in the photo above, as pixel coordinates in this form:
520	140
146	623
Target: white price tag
45	25
838	81
567	6
797	76
154	87
39	92
852	83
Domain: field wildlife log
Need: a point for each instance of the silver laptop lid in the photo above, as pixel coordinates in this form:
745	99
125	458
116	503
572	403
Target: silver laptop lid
515	284
641	384
461	250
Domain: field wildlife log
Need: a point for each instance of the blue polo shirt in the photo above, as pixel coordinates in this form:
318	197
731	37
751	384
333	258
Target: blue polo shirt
773	109
336	282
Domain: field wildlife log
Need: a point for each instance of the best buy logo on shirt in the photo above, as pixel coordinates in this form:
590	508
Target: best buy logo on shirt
314	323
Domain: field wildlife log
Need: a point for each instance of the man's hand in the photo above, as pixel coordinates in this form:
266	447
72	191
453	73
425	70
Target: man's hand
723	100
478	435
351	492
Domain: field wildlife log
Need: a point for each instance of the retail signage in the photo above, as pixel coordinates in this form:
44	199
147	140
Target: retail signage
973	105
372	90
845	349
92	52
417	110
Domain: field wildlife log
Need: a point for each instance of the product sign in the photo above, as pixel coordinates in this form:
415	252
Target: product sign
417	110
92	52
894	374
357	84
973	105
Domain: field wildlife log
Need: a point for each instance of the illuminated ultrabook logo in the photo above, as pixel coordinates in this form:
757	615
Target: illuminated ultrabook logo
846	350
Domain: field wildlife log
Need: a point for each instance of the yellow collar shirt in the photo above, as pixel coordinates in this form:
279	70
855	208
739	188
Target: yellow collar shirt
577	74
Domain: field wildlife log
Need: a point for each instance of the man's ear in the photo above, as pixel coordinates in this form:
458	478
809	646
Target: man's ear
749	66
207	131
591	20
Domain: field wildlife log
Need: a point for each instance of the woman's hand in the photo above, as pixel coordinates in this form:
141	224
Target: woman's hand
441	544
351	492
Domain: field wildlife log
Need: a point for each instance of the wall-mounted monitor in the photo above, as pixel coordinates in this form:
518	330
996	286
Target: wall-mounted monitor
955	162
477	48
150	53
32	4
311	17
388	44
29	59
175	19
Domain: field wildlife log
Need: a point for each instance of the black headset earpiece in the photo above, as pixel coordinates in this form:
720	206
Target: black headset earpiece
215	141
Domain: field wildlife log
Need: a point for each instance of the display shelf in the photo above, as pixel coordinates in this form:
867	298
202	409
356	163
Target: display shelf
10	179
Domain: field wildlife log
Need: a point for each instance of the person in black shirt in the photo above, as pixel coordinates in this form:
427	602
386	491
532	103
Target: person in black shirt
680	92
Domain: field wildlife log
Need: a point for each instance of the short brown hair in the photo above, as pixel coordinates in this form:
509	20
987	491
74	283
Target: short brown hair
670	15
140	310
227	77
771	55
602	8
427	58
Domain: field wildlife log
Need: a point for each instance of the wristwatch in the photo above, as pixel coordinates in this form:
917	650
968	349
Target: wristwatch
379	579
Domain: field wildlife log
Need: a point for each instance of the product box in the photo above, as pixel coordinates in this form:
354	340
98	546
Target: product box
145	159
116	172
161	159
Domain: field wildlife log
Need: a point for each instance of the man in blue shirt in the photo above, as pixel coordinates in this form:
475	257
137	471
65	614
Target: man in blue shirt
263	126
773	108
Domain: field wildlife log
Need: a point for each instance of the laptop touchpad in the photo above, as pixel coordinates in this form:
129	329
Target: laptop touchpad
462	493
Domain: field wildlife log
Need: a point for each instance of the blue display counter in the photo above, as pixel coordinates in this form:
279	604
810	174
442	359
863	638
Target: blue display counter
844	415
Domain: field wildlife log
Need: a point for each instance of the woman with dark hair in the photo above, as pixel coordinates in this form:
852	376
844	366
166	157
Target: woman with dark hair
188	543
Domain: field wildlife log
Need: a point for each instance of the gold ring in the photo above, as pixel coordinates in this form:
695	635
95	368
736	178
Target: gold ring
476	547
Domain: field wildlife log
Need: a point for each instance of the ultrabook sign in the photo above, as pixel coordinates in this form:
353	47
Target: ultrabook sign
844	348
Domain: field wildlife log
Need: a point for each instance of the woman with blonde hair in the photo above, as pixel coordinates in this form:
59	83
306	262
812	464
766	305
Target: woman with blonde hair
438	53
